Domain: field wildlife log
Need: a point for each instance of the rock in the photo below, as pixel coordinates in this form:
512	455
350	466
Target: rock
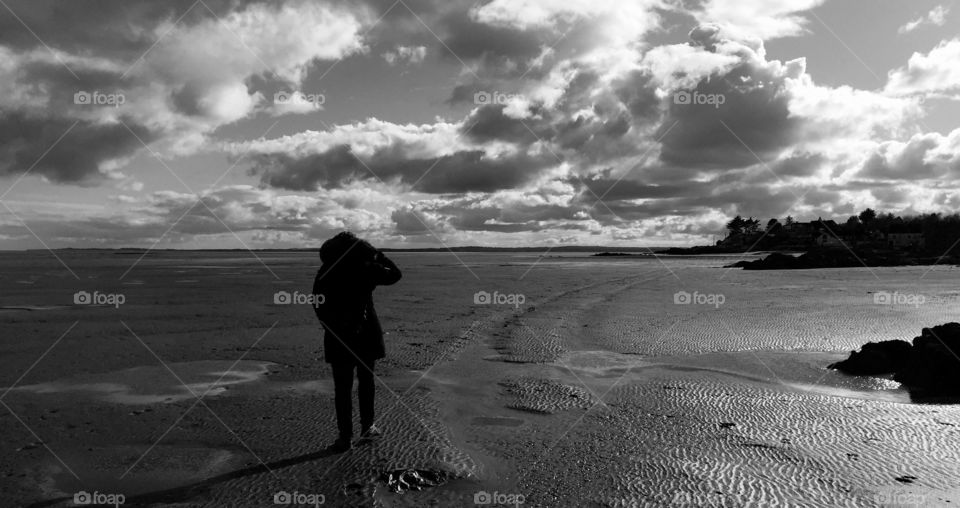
774	261
829	257
933	366
875	358
929	366
946	334
404	480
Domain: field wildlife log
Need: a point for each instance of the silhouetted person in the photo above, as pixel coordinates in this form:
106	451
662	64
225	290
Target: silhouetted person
352	338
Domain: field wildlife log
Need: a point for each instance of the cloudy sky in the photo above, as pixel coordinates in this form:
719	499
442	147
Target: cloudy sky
208	123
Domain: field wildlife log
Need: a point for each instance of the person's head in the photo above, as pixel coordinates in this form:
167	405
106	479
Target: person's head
346	248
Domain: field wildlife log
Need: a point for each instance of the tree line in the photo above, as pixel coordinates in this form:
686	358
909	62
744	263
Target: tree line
941	231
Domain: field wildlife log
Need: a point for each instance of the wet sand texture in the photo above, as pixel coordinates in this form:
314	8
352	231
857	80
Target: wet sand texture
598	391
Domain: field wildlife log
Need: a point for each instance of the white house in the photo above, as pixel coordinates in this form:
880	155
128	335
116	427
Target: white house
825	239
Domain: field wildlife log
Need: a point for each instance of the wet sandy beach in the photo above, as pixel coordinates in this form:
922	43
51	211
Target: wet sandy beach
599	390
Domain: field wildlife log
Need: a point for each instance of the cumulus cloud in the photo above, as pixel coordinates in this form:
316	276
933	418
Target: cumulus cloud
527	39
922	157
623	22
409	54
936	17
66	151
191	78
427	158
259	217
934	73
744	114
763	19
591	133
464	171
617	138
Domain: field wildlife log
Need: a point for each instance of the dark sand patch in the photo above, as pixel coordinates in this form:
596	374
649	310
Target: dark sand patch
545	396
497	421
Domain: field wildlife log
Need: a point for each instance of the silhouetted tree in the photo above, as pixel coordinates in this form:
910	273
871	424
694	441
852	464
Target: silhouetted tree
736	225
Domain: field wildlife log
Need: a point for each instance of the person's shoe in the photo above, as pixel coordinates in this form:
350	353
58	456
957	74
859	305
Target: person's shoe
371	432
342	444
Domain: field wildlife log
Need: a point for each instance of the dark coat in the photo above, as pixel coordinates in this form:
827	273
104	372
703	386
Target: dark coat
350	324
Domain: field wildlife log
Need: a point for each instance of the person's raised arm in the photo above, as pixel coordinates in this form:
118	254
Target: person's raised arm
382	270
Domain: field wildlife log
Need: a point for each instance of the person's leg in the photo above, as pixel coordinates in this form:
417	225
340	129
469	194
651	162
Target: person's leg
343	393
366	388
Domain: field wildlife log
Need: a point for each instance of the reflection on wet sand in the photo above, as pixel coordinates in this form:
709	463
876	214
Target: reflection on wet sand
158	384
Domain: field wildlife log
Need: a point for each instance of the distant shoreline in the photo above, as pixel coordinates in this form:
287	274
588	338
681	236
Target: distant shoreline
585	248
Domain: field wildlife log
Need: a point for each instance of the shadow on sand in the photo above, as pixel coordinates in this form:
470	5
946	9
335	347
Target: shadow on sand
187	492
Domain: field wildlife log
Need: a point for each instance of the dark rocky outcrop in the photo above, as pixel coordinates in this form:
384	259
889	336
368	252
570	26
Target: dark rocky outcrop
775	261
933	366
875	359
929	367
702	249
837	258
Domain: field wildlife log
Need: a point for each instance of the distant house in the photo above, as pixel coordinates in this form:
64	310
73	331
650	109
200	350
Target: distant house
828	234
905	240
827	239
829	225
798	232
